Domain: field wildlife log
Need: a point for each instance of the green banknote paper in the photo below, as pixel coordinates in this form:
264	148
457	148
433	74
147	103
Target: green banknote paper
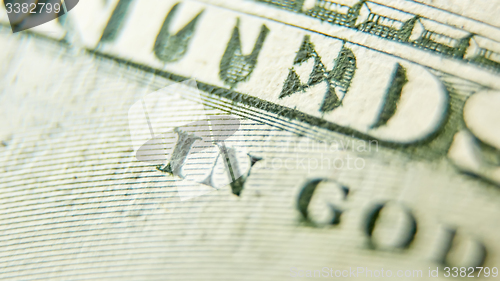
252	140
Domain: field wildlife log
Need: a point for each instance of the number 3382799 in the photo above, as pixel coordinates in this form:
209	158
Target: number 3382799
32	8
470	271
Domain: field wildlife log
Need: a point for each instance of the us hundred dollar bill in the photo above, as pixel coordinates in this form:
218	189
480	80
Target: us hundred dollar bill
251	140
